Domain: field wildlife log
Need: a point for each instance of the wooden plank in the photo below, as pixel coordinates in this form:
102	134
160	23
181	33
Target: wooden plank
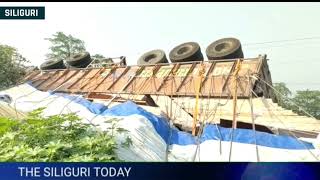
61	81
176	79
95	79
166	76
185	77
265	113
44	78
81	77
31	75
90	76
247	69
120	78
66	85
143	83
180	117
207	73
218	80
169	79
106	73
54	80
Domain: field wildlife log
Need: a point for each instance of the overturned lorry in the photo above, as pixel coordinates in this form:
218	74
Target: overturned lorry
193	93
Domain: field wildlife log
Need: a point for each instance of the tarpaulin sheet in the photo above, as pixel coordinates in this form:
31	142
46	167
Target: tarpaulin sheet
210	132
93	107
249	137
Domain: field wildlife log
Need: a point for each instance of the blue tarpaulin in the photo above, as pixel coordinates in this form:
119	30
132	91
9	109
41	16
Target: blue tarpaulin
211	132
249	136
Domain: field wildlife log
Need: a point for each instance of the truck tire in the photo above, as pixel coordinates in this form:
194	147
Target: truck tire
79	60
226	48
83	65
52	64
153	57
189	51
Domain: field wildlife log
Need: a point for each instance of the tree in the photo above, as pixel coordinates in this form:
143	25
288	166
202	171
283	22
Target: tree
63	46
98	56
284	94
309	101
13	66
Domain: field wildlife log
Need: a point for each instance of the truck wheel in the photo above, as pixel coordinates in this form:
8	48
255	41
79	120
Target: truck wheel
189	51
83	65
79	60
52	64
153	57
226	48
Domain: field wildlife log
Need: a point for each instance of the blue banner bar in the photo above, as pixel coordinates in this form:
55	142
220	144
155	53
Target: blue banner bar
159	171
22	12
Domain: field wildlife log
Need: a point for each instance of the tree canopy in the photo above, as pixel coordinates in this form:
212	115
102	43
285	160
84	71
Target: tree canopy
13	66
309	100
63	46
303	100
98	56
284	98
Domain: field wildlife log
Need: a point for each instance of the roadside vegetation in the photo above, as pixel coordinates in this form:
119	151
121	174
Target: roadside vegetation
60	138
12	66
307	100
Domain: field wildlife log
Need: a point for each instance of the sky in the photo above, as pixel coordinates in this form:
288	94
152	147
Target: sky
130	29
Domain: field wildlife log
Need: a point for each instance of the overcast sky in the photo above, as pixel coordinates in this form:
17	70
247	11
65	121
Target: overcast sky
130	29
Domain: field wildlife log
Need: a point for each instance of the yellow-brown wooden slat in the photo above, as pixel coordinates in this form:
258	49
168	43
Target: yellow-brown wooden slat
142	84
168	79
67	85
53	78
219	81
31	75
186	86
161	78
42	78
175	82
115	82
94	79
247	68
83	79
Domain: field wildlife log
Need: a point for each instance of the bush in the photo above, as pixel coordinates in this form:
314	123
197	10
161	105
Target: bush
60	138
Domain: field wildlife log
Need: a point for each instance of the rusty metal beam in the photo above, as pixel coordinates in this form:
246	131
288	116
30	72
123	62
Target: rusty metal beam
228	78
83	75
99	83
53	82
172	71
114	82
44	80
207	74
184	79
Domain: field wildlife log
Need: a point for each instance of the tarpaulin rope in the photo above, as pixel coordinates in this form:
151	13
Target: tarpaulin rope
198	86
234	122
289	130
253	119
